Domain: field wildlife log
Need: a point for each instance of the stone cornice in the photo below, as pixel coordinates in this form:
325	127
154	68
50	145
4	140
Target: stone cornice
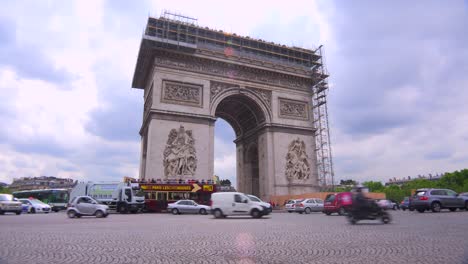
212	67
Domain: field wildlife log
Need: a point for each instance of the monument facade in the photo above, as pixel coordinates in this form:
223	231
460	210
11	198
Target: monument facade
193	75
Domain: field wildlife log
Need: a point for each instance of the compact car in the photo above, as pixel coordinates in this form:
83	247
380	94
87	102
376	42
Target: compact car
309	205
187	207
86	206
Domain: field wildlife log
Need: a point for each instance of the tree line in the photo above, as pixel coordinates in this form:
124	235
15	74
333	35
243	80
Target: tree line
457	181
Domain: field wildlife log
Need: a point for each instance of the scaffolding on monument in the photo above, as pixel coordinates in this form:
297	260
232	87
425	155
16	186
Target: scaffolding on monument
322	135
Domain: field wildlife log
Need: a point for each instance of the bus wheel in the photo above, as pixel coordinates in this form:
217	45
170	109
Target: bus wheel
175	211
123	209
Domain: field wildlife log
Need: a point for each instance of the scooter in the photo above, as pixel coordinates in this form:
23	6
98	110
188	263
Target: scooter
371	212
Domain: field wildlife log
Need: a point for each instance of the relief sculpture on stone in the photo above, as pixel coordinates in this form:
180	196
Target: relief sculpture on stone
180	155
179	93
293	109
297	161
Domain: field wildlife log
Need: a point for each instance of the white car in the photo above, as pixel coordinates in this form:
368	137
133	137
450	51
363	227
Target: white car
36	206
265	205
187	206
387	204
235	203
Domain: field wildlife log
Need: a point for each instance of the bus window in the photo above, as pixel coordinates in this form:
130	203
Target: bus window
161	196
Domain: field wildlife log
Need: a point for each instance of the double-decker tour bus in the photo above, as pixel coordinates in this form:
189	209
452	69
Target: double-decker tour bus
56	198
162	192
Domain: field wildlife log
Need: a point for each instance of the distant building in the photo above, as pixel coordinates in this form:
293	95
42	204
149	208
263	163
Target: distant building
3	185
402	181
42	182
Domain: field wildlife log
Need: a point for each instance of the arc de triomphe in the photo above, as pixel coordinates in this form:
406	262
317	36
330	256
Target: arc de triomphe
193	75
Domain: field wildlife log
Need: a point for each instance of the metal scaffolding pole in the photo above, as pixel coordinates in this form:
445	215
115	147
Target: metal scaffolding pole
322	134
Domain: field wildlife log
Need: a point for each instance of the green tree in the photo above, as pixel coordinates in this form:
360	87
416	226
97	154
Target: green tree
226	182
5	190
374	186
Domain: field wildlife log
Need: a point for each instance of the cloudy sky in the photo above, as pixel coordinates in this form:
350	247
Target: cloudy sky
398	99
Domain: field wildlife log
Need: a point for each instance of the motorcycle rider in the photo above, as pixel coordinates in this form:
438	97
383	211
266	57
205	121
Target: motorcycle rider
362	205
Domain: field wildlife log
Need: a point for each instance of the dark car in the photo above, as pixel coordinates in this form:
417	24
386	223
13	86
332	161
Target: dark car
405	204
464	196
436	200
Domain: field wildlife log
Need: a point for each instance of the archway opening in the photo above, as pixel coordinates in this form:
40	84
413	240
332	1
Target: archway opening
245	117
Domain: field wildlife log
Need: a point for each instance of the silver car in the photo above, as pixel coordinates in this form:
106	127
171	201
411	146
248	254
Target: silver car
309	205
86	206
291	205
187	207
9	204
436	199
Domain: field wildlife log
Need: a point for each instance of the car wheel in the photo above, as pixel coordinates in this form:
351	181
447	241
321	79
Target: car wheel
202	211
404	209
1	212
327	213
289	211
255	213
71	214
33	210
218	214
466	205
435	207
307	210
175	211
342	211
452	209
411	209
18	213
99	214
421	210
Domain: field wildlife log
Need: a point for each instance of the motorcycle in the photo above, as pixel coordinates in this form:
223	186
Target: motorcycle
371	211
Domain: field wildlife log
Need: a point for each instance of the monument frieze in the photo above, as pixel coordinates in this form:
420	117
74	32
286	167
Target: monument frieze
293	109
182	93
233	71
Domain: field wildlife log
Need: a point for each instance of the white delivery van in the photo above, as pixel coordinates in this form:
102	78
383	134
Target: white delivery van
235	203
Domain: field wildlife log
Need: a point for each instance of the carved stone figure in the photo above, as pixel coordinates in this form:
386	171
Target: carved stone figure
297	161
217	87
264	94
180	155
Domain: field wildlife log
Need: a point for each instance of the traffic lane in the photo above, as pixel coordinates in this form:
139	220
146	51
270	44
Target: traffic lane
283	238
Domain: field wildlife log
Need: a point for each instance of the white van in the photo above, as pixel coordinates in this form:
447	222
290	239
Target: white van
234	203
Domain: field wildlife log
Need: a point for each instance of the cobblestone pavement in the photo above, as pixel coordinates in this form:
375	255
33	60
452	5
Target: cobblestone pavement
279	238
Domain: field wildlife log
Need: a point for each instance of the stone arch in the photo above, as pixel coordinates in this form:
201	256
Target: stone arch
254	97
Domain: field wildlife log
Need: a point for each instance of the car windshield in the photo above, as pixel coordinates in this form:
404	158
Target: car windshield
420	193
36	202
253	198
6	197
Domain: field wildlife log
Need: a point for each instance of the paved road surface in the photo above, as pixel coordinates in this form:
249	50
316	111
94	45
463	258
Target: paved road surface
280	238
